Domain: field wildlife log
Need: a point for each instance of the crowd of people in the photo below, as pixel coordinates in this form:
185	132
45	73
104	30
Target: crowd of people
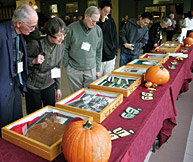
87	48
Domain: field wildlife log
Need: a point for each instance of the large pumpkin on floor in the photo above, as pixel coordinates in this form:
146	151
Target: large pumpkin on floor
188	41
84	141
157	74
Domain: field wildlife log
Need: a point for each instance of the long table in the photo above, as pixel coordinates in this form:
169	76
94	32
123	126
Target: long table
157	119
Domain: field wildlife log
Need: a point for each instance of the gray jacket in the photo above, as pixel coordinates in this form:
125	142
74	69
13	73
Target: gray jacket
132	33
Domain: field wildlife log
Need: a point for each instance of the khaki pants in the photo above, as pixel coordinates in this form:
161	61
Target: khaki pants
80	79
107	67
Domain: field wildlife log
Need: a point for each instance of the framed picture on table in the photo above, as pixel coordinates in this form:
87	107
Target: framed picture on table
92	3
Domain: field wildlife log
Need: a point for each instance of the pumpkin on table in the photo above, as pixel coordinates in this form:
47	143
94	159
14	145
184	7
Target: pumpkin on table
188	41
191	35
157	74
84	141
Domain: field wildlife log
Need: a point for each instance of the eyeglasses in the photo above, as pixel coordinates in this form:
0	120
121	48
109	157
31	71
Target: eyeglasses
30	27
94	21
60	35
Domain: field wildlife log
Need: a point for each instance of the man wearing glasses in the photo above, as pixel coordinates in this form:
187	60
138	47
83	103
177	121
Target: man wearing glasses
13	62
110	40
83	50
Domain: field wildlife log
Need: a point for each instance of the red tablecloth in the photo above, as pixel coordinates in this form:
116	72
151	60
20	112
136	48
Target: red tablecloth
156	119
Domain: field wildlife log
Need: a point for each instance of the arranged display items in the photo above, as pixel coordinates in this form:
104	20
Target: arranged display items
169	46
96	103
144	62
130	70
84	141
162	57
41	132
124	84
48	128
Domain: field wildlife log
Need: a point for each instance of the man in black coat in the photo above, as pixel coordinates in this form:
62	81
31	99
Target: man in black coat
110	40
155	34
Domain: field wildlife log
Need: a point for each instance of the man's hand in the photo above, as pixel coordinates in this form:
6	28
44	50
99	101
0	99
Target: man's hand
129	46
58	94
98	74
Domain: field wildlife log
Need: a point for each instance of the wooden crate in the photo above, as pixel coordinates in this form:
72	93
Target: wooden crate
40	149
154	56
169	47
125	92
130	70
97	116
144	62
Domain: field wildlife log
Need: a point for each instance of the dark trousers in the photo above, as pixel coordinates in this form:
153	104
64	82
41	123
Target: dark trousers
13	110
35	98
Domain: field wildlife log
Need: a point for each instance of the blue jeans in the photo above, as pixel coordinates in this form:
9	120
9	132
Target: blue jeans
126	58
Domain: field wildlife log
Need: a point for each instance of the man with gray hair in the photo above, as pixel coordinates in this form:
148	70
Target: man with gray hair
13	62
155	34
83	50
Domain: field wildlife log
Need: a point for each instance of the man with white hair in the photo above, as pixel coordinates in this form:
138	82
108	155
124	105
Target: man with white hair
155	34
13	62
83	50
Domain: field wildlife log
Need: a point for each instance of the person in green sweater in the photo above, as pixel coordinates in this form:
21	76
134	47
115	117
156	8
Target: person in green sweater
83	50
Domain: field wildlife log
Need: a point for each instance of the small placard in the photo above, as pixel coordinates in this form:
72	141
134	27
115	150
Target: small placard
120	132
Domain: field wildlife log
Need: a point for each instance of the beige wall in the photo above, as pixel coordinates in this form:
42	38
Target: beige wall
115	12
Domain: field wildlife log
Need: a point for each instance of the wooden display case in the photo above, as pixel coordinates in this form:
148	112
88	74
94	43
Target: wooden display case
136	81
38	148
144	62
92	109
130	70
154	56
169	47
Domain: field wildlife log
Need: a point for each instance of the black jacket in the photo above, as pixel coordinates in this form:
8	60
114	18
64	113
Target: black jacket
110	40
154	34
132	33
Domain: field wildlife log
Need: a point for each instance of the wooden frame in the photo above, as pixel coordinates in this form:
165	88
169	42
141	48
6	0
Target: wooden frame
72	7
54	8
92	3
29	144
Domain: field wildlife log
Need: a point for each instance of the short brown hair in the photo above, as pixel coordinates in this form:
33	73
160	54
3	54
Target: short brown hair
53	26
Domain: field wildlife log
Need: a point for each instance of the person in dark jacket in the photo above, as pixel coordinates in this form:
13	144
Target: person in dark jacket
170	31
155	34
110	40
134	36
13	62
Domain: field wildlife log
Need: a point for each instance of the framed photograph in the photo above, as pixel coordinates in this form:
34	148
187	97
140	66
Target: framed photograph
54	8
92	3
72	7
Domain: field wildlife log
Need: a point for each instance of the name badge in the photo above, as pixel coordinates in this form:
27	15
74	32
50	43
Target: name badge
161	36
19	67
86	46
56	73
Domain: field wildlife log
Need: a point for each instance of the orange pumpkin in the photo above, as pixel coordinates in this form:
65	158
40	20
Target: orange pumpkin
148	84
157	74
188	41
191	35
84	141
